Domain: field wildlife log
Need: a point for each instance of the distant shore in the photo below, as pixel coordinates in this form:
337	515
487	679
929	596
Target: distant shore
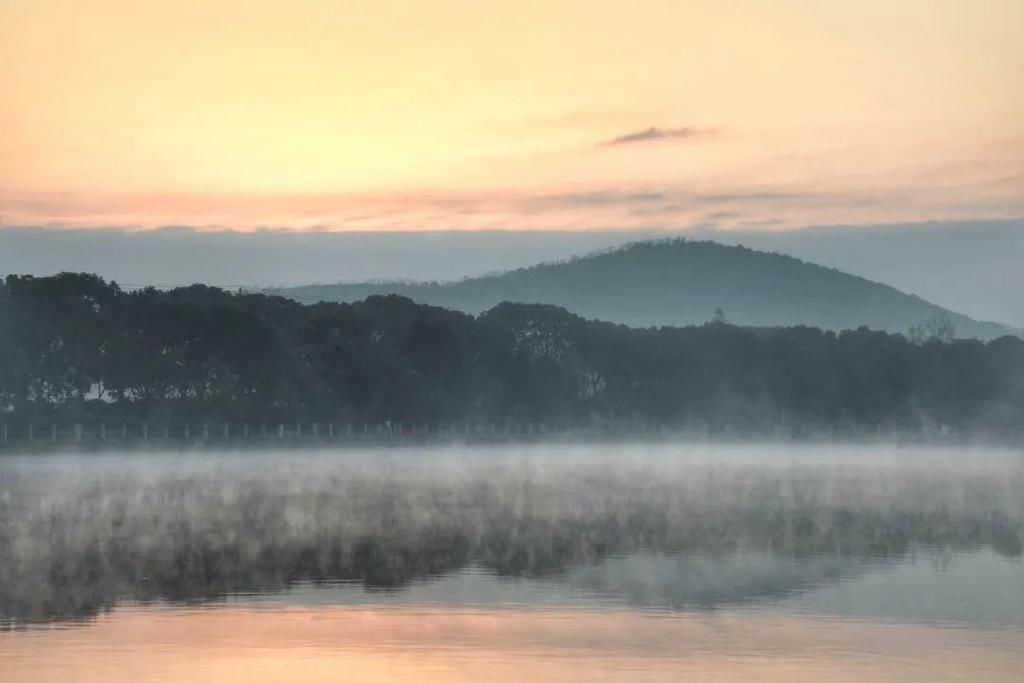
141	437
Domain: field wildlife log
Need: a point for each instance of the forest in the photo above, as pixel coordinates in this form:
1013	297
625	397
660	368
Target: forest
76	348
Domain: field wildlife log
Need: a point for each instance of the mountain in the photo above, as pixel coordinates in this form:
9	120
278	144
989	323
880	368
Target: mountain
973	267
680	282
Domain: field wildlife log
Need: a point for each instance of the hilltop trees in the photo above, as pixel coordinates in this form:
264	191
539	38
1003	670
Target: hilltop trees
75	347
938	327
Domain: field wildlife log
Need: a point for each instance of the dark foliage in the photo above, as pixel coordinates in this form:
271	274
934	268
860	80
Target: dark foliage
73	347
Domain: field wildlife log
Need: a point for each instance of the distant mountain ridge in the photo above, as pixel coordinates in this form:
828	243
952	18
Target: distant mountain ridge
972	267
680	282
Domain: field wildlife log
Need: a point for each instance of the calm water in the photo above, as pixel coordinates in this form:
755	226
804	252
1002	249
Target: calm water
549	563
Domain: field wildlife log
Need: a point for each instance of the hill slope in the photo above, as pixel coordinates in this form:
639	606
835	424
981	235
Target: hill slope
680	282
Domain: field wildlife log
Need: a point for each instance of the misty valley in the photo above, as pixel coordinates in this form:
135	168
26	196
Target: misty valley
200	484
424	342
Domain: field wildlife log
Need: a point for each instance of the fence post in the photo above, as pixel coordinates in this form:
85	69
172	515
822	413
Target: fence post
245	430
206	431
227	430
145	431
280	431
31	432
330	430
124	431
53	432
188	431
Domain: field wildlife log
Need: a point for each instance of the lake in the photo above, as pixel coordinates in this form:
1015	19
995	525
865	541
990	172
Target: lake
542	562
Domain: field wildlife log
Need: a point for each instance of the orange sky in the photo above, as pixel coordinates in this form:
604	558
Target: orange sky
460	114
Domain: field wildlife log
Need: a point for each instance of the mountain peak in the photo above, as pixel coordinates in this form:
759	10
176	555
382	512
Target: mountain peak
677	281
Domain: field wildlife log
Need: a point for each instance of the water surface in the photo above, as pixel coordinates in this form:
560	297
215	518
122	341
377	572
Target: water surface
500	563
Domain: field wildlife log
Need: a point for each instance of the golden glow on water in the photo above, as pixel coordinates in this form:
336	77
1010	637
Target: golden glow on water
336	643
575	564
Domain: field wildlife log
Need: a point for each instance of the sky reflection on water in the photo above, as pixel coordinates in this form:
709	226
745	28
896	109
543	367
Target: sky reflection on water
486	564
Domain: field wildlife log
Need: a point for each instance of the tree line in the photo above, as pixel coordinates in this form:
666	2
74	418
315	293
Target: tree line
75	347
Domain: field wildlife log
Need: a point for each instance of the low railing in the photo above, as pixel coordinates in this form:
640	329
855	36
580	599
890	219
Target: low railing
41	435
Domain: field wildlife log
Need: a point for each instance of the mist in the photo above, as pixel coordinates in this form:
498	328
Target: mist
557	342
176	256
744	523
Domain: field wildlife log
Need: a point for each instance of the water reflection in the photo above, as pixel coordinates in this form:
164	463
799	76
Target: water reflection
331	643
972	589
667	528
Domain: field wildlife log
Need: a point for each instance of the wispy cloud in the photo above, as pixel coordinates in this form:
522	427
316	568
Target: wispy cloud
640	207
654	134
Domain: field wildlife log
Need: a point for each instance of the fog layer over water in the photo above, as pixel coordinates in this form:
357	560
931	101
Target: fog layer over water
677	528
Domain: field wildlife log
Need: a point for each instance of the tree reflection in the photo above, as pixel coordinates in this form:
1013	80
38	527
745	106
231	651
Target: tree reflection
75	542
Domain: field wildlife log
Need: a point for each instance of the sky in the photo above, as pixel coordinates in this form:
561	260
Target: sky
452	114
